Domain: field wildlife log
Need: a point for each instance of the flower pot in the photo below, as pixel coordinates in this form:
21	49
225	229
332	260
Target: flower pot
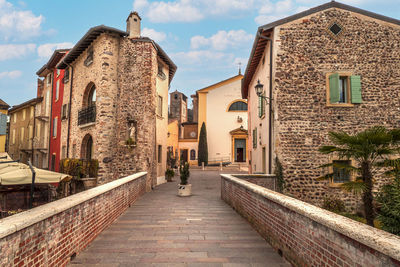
184	190
89	182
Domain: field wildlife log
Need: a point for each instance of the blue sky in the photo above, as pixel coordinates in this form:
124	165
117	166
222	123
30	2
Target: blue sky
205	38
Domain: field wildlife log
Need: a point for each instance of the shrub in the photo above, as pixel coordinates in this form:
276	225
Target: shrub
389	200
78	168
334	205
169	173
184	171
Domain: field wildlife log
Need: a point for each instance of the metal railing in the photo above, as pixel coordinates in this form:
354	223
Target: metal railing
87	115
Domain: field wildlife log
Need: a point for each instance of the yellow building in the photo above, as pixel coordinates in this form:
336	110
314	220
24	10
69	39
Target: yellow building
3	125
224	113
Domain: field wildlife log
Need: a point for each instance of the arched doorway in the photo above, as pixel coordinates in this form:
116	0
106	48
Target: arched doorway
87	147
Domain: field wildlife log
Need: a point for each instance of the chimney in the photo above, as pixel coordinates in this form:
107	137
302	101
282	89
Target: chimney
133	25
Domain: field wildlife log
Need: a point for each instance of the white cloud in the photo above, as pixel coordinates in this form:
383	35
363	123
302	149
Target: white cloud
11	51
199	56
222	40
46	50
153	34
178	11
16	24
139	5
10	74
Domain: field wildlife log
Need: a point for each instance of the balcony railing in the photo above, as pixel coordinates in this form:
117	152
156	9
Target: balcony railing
87	115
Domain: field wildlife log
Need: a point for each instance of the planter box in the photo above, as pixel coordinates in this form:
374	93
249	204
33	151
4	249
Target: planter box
89	182
185	190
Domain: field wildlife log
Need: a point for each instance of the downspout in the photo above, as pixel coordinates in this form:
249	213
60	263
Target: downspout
69	106
51	118
33	132
270	101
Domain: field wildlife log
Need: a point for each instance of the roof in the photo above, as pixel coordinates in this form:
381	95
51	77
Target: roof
221	83
3	105
28	103
259	43
54	59
94	32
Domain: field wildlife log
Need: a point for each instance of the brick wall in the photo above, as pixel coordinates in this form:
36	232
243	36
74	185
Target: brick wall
307	235
50	234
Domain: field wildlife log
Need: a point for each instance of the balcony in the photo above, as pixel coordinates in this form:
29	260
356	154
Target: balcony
87	115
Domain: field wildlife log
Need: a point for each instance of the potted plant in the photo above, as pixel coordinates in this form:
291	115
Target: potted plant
184	189
91	171
169	173
130	142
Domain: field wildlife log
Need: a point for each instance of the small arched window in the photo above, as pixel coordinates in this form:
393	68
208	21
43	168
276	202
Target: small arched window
192	154
87	147
238	106
92	96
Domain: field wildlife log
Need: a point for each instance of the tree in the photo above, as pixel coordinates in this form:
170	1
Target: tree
367	149
203	148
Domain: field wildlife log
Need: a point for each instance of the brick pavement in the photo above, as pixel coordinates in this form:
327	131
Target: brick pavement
162	229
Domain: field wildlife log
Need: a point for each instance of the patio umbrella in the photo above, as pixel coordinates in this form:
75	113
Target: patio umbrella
15	173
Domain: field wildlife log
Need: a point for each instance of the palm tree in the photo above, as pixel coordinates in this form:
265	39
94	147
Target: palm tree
366	148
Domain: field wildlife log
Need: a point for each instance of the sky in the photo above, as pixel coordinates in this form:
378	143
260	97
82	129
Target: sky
207	39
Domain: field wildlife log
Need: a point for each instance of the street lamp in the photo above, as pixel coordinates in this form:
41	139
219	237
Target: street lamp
259	91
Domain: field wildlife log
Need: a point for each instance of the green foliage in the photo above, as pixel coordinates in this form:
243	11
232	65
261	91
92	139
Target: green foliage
130	142
78	168
171	160
279	175
203	148
366	148
185	173
389	200
169	173
333	204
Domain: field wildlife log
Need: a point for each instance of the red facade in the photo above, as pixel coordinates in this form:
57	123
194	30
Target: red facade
55	120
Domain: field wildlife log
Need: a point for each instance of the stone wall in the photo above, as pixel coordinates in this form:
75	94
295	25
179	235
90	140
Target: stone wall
51	234
307	235
305	51
137	70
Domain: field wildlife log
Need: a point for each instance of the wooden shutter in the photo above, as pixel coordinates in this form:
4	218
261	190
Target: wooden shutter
259	107
334	88
355	85
3	124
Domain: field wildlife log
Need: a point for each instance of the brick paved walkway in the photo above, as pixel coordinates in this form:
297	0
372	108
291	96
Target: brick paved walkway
162	229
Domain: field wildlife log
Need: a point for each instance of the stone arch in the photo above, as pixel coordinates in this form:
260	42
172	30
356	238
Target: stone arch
89	96
87	147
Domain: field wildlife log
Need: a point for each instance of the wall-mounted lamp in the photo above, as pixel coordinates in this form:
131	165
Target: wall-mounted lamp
168	134
259	91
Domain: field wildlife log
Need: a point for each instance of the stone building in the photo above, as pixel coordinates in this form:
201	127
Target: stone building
118	99
331	68
3	125
178	109
21	132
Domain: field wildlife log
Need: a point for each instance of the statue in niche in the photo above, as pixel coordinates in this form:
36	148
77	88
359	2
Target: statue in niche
131	141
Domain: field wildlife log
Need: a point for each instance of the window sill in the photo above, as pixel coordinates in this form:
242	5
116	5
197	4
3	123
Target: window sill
86	125
347	105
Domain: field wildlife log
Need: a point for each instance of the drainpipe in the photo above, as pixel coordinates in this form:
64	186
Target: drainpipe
33	131
69	106
270	101
50	118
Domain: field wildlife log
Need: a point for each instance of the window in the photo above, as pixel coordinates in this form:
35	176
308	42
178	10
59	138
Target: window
66	75
63	152
92	96
53	162
238	106
32	111
192	154
343	89
176	96
159	153
57	89
89	58
58	72
255	138
336	29
161	73
22	134
64	111
38	129
159	106
55	127
73	150
13	137
261	107
87	147
23	114
340	175
48	78
15	117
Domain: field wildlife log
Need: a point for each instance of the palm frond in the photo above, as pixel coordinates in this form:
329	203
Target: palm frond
356	187
328	176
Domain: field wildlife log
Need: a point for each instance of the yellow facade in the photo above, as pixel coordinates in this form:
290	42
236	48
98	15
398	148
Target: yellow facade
173	136
3	137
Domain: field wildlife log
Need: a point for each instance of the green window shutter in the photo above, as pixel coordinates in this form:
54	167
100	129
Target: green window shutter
334	88
259	107
262	106
355	85
255	139
3	124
